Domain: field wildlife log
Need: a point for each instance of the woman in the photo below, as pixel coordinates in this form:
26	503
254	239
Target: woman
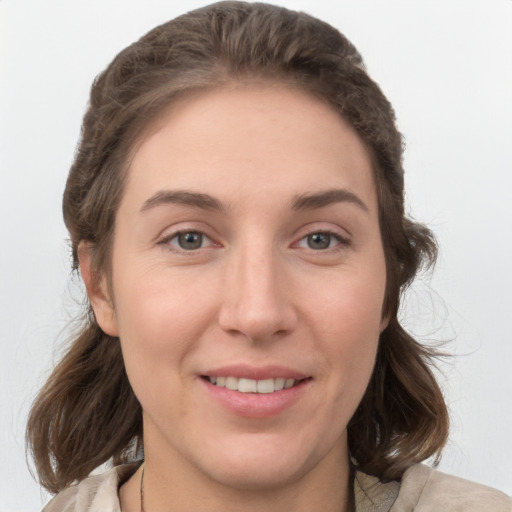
236	212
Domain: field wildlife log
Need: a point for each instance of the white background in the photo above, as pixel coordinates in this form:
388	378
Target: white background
446	67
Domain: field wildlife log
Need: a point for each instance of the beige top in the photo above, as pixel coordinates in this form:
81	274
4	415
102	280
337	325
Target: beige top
421	490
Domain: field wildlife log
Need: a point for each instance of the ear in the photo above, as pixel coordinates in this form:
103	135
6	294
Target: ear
97	291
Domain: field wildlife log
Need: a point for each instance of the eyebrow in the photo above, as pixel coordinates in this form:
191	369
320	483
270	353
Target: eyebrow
326	198
198	200
210	203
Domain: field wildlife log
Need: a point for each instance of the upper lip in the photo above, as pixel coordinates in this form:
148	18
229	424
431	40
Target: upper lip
244	371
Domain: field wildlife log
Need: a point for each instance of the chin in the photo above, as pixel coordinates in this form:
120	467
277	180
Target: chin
255	477
266	465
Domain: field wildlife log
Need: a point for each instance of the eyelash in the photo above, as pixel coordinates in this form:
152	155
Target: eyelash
342	242
168	239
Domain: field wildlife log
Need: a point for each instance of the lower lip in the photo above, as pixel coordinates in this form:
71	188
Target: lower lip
257	405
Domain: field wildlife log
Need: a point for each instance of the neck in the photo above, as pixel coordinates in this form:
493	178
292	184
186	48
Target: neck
169	487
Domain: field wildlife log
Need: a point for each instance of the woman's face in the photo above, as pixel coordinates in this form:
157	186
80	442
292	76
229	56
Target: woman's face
248	280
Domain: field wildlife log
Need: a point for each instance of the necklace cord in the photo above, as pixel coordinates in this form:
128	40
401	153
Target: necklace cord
142	490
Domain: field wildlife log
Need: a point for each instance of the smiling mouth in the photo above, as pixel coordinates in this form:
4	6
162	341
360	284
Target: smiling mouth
264	386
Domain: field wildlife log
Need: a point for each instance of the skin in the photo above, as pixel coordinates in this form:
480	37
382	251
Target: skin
258	291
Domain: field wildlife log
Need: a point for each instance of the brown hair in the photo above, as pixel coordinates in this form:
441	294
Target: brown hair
86	413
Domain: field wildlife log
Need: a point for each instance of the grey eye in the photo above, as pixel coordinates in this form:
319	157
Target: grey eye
190	241
319	241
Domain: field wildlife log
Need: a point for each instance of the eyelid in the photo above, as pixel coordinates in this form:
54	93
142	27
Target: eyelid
204	238
340	242
342	235
170	233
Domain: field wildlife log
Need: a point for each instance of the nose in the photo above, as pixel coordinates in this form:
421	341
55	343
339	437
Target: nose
257	295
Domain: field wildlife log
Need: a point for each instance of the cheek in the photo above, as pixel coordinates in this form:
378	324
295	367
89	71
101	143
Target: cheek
352	346
156	308
348	326
161	319
349	306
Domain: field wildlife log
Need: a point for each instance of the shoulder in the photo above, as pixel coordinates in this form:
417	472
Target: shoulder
423	489
96	493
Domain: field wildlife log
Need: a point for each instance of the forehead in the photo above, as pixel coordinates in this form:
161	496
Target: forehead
243	138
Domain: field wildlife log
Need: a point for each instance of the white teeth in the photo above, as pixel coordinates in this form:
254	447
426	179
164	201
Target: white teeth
266	386
232	383
279	383
252	385
289	383
247	385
